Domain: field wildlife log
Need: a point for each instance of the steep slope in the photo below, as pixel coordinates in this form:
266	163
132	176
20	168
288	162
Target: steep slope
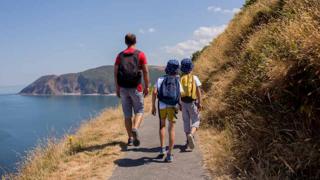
93	81
261	82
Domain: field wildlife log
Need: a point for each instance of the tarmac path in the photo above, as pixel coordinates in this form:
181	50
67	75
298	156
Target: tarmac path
143	162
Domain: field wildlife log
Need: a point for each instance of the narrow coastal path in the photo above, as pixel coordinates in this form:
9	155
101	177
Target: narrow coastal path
143	162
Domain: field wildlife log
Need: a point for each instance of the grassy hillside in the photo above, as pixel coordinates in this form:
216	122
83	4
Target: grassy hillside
262	88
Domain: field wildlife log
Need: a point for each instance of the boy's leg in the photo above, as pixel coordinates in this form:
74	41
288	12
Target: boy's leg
171	113
171	136
195	118
186	118
162	126
162	132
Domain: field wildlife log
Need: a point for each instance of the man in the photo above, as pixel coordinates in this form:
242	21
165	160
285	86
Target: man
128	69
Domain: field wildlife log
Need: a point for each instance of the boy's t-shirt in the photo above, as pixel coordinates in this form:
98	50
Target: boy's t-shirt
196	79
157	85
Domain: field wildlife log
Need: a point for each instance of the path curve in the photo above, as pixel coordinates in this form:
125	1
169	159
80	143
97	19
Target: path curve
143	162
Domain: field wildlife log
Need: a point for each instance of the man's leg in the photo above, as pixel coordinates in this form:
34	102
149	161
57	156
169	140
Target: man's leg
137	120
127	111
128	124
138	107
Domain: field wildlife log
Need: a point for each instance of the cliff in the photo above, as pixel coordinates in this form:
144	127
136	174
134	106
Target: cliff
99	80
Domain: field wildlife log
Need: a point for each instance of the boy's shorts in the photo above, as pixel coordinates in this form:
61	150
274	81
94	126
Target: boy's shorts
168	113
131	99
190	116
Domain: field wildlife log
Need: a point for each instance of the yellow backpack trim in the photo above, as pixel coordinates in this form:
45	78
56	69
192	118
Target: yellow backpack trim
189	86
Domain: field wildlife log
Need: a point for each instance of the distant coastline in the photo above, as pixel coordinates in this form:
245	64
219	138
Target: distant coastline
92	82
64	94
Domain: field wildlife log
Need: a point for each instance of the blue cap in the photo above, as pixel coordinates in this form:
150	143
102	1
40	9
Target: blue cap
172	67
186	65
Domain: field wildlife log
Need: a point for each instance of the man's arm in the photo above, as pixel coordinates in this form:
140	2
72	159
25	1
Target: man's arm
116	68
145	71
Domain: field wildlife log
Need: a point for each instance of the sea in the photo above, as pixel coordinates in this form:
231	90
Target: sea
26	121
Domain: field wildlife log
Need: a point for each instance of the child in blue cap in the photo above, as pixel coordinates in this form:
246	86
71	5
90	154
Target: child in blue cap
168	90
190	101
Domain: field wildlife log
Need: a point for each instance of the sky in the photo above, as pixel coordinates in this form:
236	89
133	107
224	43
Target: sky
40	37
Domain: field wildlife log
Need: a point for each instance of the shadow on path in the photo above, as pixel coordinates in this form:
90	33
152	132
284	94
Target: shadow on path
127	162
102	146
155	149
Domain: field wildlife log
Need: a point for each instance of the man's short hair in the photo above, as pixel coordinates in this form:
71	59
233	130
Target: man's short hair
130	39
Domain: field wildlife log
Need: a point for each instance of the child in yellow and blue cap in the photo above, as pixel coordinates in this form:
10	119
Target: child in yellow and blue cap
190	101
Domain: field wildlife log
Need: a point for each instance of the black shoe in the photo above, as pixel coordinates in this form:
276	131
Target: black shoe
130	142
136	141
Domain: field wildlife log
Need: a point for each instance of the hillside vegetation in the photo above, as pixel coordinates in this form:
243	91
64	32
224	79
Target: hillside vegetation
262	88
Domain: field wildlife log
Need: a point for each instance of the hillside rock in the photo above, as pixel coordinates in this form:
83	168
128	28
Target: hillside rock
93	81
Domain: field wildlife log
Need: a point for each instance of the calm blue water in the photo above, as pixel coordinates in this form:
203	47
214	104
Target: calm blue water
24	120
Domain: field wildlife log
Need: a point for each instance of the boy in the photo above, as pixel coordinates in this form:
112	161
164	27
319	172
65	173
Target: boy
190	101
167	89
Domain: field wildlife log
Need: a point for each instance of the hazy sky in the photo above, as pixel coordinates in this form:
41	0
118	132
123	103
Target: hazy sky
39	37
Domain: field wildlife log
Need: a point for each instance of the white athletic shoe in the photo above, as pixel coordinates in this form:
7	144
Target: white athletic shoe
191	142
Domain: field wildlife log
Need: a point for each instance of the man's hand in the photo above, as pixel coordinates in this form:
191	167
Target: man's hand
118	91
154	110
146	91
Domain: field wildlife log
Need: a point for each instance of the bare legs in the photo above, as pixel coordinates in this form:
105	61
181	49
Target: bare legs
162	132
137	120
128	124
171	134
135	124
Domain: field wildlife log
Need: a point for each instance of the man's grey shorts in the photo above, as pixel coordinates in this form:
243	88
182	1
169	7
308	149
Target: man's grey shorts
131	100
190	116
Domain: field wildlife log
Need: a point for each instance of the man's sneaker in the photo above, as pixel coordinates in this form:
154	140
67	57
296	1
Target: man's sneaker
169	158
130	142
136	141
191	142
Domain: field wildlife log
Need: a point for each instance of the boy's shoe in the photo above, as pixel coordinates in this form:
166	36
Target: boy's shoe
163	151
169	158
136	141
130	142
191	142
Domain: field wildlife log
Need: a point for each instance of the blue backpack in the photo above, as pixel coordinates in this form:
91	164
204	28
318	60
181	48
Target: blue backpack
169	91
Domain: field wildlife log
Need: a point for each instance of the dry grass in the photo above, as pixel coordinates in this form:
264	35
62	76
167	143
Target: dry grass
88	154
215	146
261	81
